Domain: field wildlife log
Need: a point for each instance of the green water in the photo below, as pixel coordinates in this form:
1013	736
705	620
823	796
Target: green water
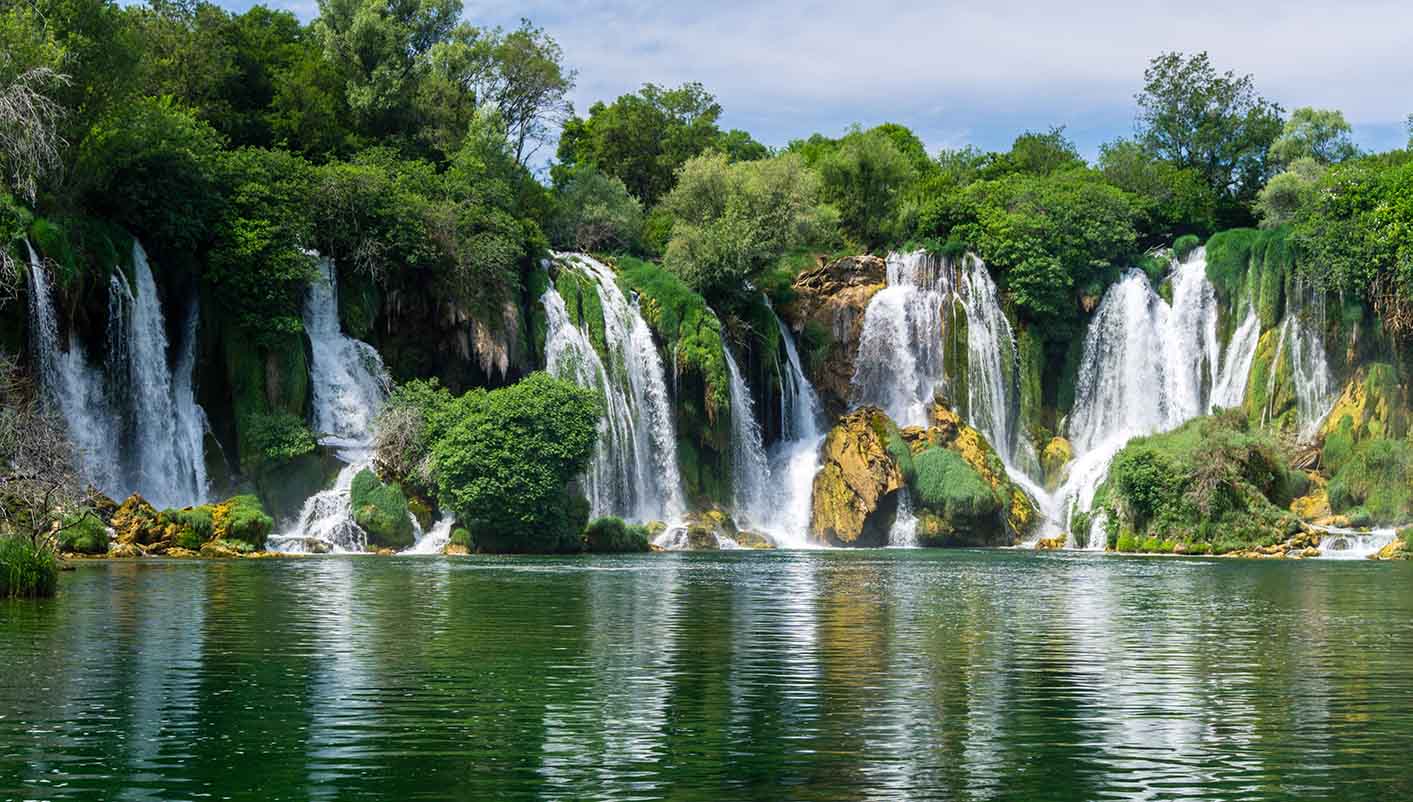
811	675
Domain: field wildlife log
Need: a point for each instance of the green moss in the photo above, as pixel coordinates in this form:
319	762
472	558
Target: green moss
460	537
945	483
612	535
581	299
358	303
1376	478
272	440
246	520
1246	264
1184	246
84	534
1031	353
27	570
898	449
381	511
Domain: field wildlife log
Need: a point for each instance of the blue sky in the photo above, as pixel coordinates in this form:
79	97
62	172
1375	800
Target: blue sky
971	73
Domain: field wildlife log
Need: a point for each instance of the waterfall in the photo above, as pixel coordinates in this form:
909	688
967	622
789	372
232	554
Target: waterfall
435	540
1338	543
136	426
794	459
903	533
346	376
899	366
1147	367
750	471
349	385
633	473
1303	331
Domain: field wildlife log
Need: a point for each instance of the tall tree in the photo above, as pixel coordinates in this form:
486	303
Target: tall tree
643	139
1213	122
1319	134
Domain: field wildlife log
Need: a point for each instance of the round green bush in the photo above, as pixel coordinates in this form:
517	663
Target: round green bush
611	535
381	511
945	482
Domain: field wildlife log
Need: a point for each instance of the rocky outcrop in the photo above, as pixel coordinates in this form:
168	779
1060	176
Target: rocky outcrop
233	527
1374	403
1057	454
829	302
855	497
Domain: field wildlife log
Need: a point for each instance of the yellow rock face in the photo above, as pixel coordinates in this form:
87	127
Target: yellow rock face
858	473
1373	402
1054	458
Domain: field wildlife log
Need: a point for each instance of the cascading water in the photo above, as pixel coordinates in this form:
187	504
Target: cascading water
1303	333
1337	543
349	385
899	366
634	472
750	470
435	539
138	427
794	459
1147	367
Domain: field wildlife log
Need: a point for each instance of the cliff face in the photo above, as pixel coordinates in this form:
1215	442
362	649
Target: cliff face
827	314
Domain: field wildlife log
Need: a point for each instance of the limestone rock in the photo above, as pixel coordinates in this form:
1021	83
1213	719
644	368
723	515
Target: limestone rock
1053	459
832	297
855	491
747	539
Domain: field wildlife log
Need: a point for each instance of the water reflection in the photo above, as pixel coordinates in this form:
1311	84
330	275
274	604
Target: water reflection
897	675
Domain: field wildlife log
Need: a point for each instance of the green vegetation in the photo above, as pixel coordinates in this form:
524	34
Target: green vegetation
612	535
27	569
502	461
274	439
1212	481
1374	482
380	510
84	533
946	483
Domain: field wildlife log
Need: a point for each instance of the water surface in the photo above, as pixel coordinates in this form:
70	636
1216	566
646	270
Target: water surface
884	675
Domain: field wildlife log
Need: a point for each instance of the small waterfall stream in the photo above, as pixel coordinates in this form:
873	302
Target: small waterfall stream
349	385
634	472
134	421
750	470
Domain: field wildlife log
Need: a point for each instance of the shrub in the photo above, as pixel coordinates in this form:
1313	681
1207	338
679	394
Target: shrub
506	460
946	483
595	211
27	570
381	511
274	439
611	535
84	533
460	537
242	518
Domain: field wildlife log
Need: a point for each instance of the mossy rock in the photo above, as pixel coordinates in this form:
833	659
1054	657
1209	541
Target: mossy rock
1057	454
610	535
855	492
380	510
1374	403
84	534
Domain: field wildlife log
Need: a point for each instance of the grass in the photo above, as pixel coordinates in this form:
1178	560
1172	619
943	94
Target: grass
27	571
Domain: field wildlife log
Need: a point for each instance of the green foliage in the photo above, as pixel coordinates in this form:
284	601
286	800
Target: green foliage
595	212
27	570
1036	153
946	483
1170	199
1287	193
643	139
1044	237
864	176
506	458
1212	479
613	536
732	221
898	449
83	533
460	537
686	325
380	510
246	520
260	265
151	167
273	439
1247	265
1321	135
1376	477
1215	123
1184	246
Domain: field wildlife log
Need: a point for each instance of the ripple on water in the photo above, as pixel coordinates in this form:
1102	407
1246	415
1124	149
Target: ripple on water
797	675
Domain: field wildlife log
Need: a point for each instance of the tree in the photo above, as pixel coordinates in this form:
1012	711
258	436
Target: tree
1172	200
643	139
1038	154
506	459
731	221
1319	134
521	73
595	211
31	140
1284	195
1215	123
41	492
380	49
866	177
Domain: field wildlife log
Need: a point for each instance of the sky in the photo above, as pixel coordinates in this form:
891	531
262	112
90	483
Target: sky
973	73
